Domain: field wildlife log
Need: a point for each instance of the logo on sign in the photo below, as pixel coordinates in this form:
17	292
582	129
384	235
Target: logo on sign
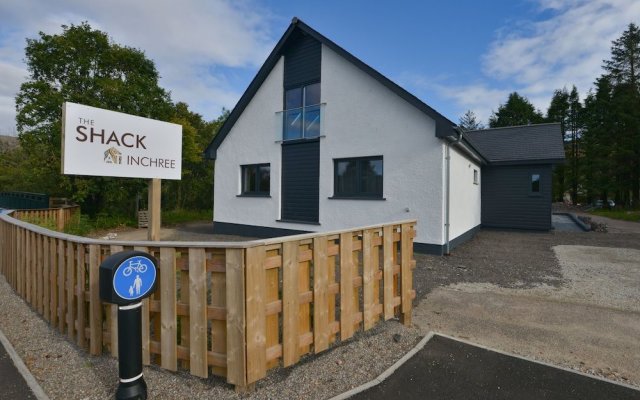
134	278
113	156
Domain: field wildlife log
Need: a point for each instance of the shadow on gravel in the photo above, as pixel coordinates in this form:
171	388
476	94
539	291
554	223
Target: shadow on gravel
510	259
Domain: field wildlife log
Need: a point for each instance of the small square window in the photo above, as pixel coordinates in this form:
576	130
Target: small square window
476	179
535	183
256	179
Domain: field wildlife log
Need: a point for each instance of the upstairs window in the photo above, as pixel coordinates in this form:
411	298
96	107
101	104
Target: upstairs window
302	112
358	177
476	178
256	180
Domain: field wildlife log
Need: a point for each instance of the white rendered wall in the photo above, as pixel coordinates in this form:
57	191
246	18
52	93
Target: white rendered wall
252	140
465	195
362	118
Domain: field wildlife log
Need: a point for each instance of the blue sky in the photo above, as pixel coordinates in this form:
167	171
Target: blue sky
455	55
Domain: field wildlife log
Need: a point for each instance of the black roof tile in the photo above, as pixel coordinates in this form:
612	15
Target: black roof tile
519	144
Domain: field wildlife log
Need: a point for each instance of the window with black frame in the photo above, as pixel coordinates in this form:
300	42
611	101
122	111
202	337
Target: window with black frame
359	177
302	112
256	180
535	184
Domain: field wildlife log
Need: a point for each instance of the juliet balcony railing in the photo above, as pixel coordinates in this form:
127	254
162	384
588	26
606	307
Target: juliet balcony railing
301	123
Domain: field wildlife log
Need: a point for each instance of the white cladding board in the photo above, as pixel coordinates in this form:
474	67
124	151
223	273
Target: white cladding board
100	142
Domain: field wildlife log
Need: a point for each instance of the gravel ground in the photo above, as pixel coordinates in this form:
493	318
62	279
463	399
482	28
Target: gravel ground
509	259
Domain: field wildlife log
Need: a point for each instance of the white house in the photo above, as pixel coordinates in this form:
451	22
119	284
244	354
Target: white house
321	141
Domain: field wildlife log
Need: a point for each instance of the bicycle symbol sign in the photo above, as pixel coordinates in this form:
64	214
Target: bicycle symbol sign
134	278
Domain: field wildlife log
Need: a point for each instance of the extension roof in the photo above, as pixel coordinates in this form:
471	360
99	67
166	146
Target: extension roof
526	144
444	127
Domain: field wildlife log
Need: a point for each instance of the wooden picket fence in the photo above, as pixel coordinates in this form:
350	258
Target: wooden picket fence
58	217
233	309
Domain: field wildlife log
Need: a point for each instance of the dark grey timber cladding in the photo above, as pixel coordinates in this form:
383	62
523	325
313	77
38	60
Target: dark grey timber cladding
301	181
507	201
302	61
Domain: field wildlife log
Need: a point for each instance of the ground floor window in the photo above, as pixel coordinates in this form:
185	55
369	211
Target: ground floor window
535	183
359	177
256	179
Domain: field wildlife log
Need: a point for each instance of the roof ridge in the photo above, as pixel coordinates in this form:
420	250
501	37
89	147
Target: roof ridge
513	126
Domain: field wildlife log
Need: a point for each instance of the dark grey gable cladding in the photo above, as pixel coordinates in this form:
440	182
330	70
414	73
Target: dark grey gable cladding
302	61
540	143
444	127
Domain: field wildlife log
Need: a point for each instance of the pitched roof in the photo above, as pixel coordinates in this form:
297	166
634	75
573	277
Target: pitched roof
444	127
519	144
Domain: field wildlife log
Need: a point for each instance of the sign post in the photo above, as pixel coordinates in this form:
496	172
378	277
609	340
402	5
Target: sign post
153	231
126	278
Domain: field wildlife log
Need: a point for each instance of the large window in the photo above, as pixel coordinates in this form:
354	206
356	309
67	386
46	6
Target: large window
256	180
302	112
358	177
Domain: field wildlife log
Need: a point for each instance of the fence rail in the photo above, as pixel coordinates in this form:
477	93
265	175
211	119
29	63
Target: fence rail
233	309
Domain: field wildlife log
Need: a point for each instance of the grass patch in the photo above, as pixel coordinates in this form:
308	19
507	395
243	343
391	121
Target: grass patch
633	216
174	217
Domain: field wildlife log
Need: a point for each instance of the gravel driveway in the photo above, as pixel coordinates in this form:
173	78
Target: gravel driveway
564	298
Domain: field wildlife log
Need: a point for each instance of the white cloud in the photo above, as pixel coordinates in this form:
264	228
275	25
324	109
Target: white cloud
191	42
536	57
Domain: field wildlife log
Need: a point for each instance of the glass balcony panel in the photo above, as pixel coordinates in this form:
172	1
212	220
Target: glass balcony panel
312	121
293	124
300	123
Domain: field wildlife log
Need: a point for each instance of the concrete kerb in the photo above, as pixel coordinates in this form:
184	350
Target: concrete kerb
24	371
388	372
431	334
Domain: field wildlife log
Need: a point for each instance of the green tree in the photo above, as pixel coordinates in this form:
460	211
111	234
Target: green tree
558	111
469	122
574	128
516	111
195	190
600	157
82	65
623	69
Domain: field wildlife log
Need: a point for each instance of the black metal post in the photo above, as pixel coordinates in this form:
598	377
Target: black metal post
132	385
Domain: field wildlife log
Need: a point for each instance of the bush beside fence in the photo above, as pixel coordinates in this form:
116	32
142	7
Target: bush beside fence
233	309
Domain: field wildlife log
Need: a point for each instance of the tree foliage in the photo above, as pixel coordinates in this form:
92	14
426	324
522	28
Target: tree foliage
82	65
612	136
516	111
469	122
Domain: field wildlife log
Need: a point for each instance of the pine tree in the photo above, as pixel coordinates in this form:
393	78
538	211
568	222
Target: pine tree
557	112
623	69
469	122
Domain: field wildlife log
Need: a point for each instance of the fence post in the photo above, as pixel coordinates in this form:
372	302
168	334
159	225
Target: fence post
346	285
236	318
60	219
198	313
407	280
95	310
256	318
